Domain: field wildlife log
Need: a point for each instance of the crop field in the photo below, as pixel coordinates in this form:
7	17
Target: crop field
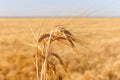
98	44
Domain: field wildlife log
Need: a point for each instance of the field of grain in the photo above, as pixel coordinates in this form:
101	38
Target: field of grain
100	36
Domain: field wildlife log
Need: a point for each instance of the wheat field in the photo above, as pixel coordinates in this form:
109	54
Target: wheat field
100	48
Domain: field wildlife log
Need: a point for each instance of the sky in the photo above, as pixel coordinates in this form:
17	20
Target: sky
35	8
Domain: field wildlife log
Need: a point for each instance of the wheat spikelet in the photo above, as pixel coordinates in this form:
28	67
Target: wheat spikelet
70	41
46	35
58	57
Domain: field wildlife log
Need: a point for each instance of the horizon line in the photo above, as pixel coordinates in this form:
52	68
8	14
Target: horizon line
59	16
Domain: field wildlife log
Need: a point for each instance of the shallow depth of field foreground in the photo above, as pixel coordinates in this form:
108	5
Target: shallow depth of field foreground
98	44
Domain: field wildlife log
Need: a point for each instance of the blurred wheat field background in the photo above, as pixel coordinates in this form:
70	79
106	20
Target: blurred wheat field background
101	36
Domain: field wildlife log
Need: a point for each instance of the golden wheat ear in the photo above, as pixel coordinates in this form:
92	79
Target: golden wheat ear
67	32
42	37
69	39
56	56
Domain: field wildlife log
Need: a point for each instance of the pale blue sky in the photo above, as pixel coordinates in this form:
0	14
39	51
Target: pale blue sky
59	8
